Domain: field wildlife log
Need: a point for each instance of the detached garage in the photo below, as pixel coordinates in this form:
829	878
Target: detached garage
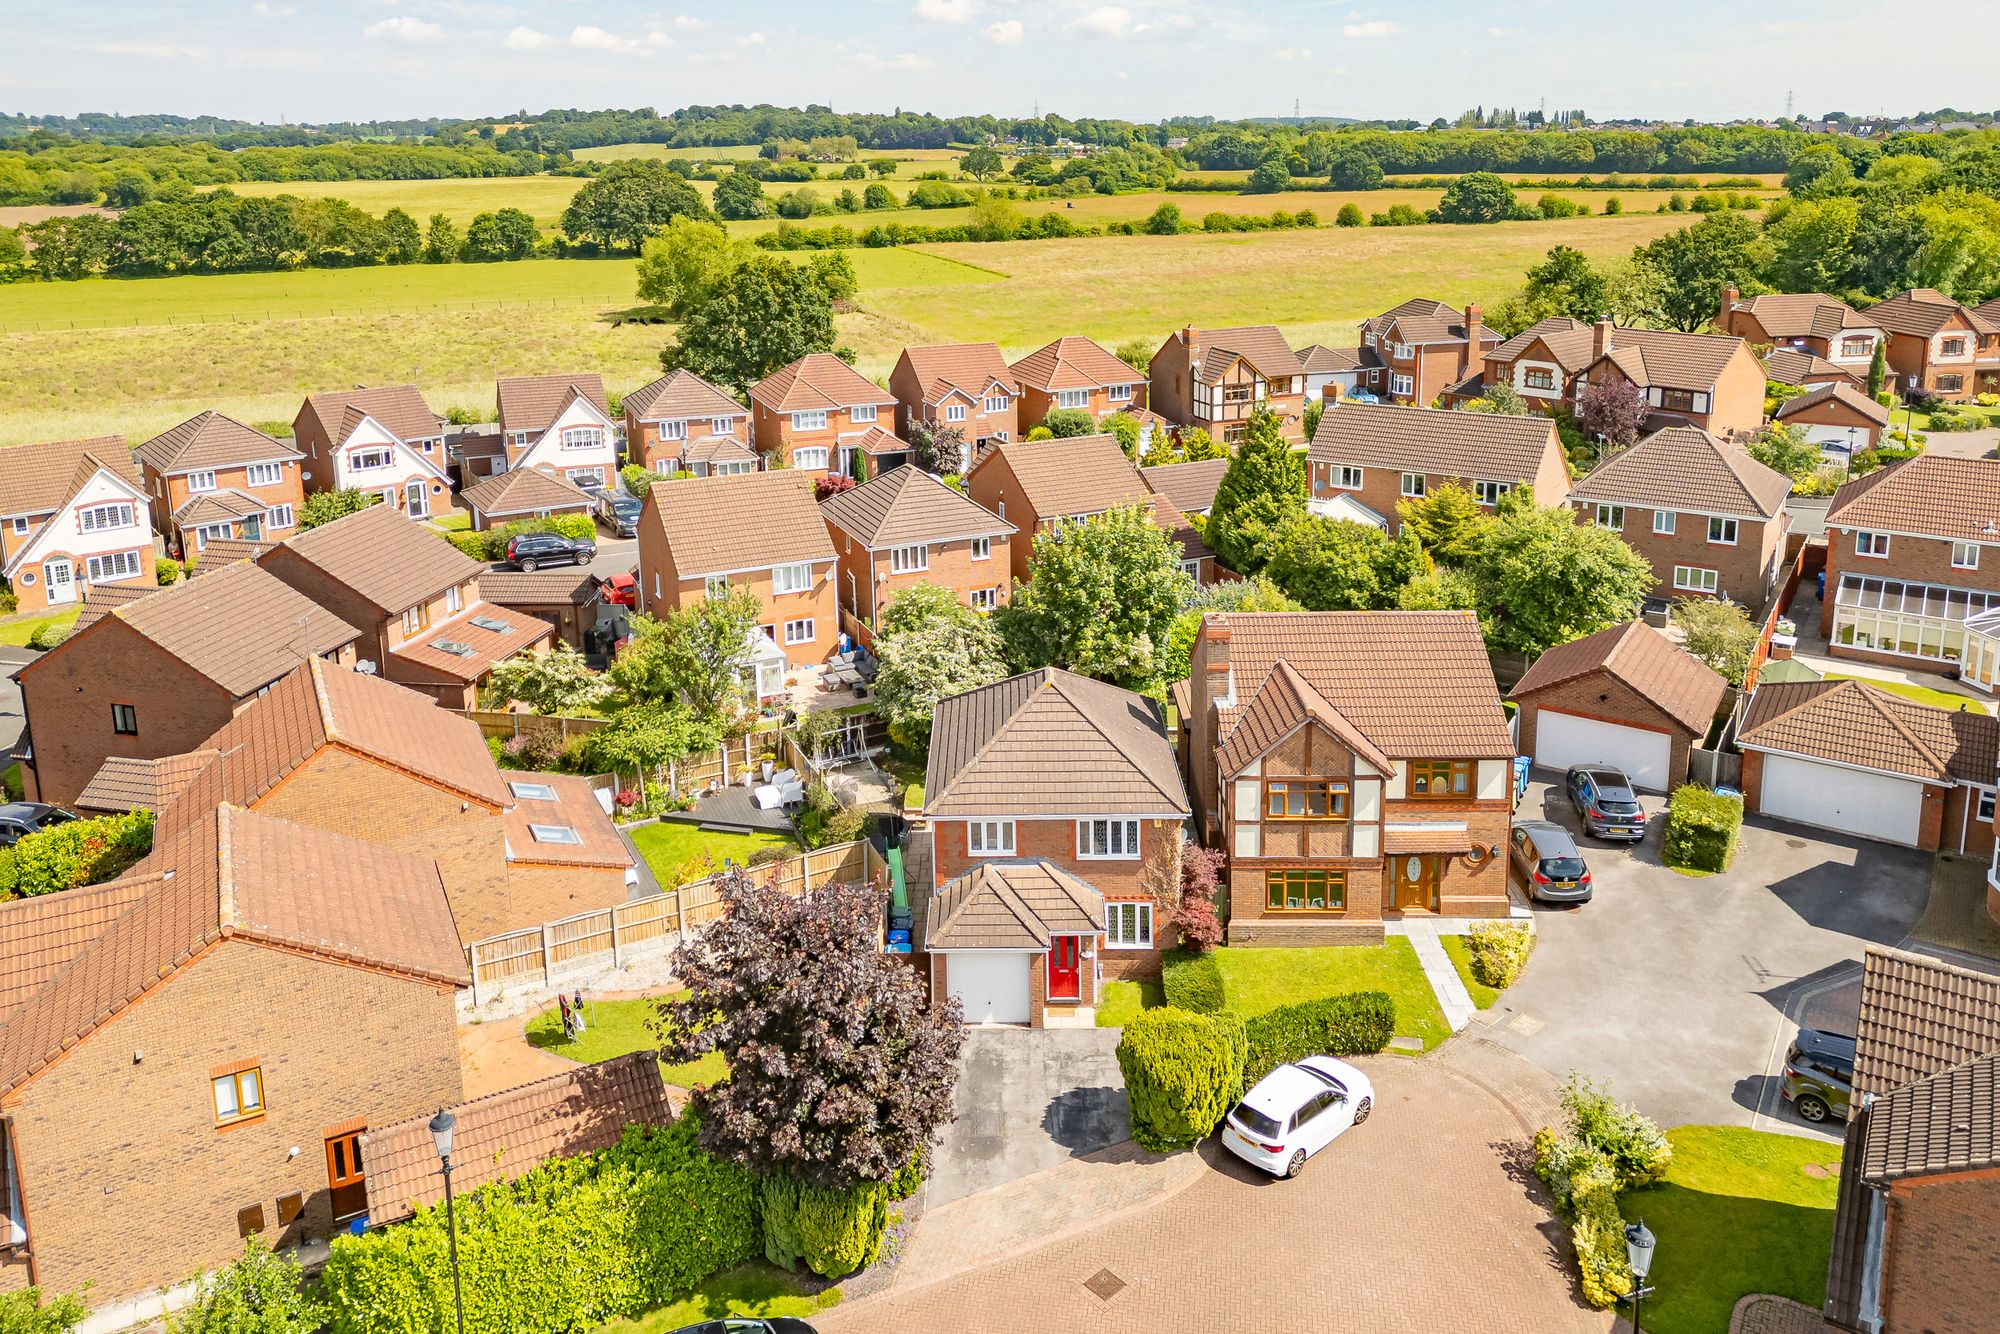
1627	696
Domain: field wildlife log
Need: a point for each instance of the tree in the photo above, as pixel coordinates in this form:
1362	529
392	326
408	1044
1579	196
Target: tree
629	201
796	204
1447	522
982	162
1566	283
398	238
1338	564
1197	445
684	263
1545	579
1270	176
1817	171
1350	215
503	235
1688	268
939	446
739	197
260	1292
1352	169
441	243
762	315
1309	419
1064	423
1193	911
1785	448
552	683
66	248
13	254
839	1071
1124	428
24	1312
1257	593
1264	485
1477	196
1100	600
326	506
1165	220
1878	367
1613	408
931	648
878	195
694	653
643	736
1441	589
1720	633
992	218
1499	400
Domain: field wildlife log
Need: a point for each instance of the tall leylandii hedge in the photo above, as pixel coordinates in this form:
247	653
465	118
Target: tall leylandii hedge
1182	1071
572	1244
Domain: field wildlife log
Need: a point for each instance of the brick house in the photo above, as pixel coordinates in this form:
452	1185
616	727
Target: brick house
817	414
679	415
1788	366
1080	374
191	1054
522	493
73	515
1710	519
1849	756
1937	346
966	386
560	425
1626	696
212	479
1808	322
1376	455
384	440
1345	788
1702	380
701	537
1339	372
1055	806
906	527
571	600
1422	348
1036	486
159	675
415	598
1189	488
1836	416
1213	379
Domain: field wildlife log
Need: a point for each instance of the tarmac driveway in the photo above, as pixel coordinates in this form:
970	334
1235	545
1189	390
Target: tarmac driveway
1682	991
1028	1100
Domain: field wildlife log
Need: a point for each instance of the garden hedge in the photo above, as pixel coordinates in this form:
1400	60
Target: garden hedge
1182	1072
1191	981
1355	1023
1498	951
834	1231
492	544
1703	828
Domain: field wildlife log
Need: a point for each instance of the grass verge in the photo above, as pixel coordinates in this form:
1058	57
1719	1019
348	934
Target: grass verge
752	1289
17	632
1455	949
1121	1002
613	1028
1257	980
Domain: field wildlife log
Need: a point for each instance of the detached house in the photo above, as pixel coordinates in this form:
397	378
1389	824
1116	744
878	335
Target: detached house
1836	416
682	423
1040	486
213	479
1701	380
1213	379
385	440
1077	374
1345	787
906	527
1055	805
1339	372
1366	457
73	515
1186	489
1807	322
1709	518
819	413
1422	348
1937	346
560	425
1789	366
965	386
523	493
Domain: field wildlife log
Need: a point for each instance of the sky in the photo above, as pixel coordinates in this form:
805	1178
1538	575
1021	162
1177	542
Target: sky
312	60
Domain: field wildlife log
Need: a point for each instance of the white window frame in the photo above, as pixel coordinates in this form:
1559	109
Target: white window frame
1488	493
201	481
280	516
1413	486
583	437
800	631
982	548
358	460
1695	579
1722	531
721	425
1402	384
954	412
811	420
811	456
715	587
1663	522
1347	477
909	560
1128	924
1072	398
1118	393
555	833
1120	841
1871	544
862	412
21	525
794	578
454	600
105	517
1986	803
1964	555
1612	517
112	565
212	532
263	474
588	479
985	599
989	838
674	430
995	403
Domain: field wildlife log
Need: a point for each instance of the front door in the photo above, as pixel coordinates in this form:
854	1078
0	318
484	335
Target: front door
419	500
344	1178
1065	978
61	577
1415	881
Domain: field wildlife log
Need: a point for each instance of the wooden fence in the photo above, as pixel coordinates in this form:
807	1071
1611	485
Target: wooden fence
507	724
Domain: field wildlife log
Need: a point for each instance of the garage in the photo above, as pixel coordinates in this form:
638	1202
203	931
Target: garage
1563	740
1853	801
993	987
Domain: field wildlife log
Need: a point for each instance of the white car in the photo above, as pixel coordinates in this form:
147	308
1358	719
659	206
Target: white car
1295	1111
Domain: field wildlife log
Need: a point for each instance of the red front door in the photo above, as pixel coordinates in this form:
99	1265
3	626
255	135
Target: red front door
1065	981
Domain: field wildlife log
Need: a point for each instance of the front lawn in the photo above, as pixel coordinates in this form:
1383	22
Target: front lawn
1121	1002
669	845
1256	980
1483	996
453	521
17	632
752	1289
612	1028
1737	1214
1941	699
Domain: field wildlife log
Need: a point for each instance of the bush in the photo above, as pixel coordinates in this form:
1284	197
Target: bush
1703	828
70	856
167	571
1065	422
910	1176
25	1312
1607	1149
1635	1148
492	544
834	1231
637	480
48	635
258	1293
1182	1072
1356	1023
1191	981
475	545
1498	952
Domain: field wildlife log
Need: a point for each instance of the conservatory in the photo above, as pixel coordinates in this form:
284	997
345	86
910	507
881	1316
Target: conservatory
1952	627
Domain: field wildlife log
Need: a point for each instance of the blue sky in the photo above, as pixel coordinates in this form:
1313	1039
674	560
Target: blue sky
1139	59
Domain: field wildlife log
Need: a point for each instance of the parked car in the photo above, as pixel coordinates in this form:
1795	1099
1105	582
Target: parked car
620	590
1605	802
748	1324
1550	864
1295	1111
619	512
1819	1074
528	552
18	819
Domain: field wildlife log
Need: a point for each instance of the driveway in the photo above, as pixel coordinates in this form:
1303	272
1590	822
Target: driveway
1682	991
1028	1100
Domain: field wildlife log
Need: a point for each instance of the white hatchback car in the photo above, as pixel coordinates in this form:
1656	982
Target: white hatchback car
1295	1111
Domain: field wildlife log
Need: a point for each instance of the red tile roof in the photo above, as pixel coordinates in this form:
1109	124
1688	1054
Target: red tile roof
970	368
1854	723
820	380
1074	362
907	505
38	479
211	440
752	521
388	558
532	403
1920	1016
679	396
398	408
1679	684
1929	496
1685	468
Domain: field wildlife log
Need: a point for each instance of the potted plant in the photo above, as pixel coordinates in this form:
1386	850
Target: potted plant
1784	638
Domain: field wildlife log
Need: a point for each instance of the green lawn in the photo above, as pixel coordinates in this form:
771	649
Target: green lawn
612	1028
1256	980
753	1289
668	845
1122	1001
1942	699
455	521
17	632
1736	1214
1483	996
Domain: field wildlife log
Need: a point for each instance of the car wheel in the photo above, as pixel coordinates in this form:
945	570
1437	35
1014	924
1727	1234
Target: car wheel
527	567
1296	1165
1812	1108
1362	1108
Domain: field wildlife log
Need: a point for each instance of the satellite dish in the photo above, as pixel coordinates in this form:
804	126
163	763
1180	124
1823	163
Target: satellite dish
366	667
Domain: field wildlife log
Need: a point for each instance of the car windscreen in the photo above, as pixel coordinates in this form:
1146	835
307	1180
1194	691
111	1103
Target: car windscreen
1563	868
1255	1121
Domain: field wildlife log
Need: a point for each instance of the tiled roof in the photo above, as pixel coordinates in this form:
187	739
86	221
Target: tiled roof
39	936
1433	440
967	367
679	396
1259	344
503	1135
1685	468
713	449
751	521
1083	474
532	403
1571	344
542	588
818	380
392	561
1921	312
1012	905
1930	495
1802	314
1672	359
224	506
211	440
1074	362
1835	391
1946	1122
1679	684
1360	663
1989	311
1854	723
524	491
1920	1016
1051	742
37	479
575	807
1188	487
488	633
1421	320
875	440
221	551
1789	365
907	505
99	599
1321	360
122	784
399	408
1284	702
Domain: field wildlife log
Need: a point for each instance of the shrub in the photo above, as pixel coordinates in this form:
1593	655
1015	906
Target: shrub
1498	951
475	545
1607	1149
48	635
1356	1023
82	852
835	1231
257	1293
637	480
1703	828
1182	1071
167	571
25	1312
910	1176
1191	981
1635	1148
492	544
1349	216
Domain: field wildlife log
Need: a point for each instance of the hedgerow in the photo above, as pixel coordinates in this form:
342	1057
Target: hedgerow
1182	1071
1355	1023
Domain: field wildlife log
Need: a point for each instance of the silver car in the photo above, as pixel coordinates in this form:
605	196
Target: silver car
1550	865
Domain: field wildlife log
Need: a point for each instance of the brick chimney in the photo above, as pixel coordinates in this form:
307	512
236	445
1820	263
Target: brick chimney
1475	330
1212	684
1600	338
1729	299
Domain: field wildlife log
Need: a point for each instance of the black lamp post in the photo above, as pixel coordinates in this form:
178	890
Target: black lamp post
1852	431
1639	1244
442	1126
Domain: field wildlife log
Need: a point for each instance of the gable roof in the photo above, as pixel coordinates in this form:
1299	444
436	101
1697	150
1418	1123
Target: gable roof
1434	440
1854	723
1259	344
752	521
907	505
1834	391
1188	487
817	380
523	491
40	936
1283	702
1921	312
532	403
1012	905
1791	365
122	784
39	478
1319	359
1570	343
1920	1016
1801	314
211	440
1083	474
1931	495
399	408
967	367
1421	320
1686	468
575	586
679	395
99	599
1670	358
220	551
1655	668
1946	1122
1051	742
1074	362
390	560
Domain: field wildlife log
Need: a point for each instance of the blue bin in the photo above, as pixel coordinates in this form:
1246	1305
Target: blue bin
899	937
357	1226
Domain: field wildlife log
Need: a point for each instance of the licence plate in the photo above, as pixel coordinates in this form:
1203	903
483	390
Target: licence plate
1618	829
1562	884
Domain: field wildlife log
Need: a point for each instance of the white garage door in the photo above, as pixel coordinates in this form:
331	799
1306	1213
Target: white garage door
992	987
1563	740
1871	805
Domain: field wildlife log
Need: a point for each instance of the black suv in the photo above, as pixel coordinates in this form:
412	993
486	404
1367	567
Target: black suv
1819	1074
528	552
619	512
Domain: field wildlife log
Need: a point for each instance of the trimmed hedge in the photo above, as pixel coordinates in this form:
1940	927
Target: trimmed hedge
1182	1072
1703	829
1355	1023
1606	1149
834	1231
492	544
1191	981
1498	951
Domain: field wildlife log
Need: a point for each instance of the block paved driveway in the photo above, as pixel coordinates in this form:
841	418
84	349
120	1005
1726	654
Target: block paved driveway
1420	1220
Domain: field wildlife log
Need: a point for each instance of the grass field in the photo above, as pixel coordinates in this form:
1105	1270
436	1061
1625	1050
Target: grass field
669	844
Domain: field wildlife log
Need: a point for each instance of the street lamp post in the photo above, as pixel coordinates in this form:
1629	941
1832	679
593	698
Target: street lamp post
442	1126
1639	1244
1852	431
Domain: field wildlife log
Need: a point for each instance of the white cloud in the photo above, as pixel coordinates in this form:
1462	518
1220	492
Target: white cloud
526	39
1294	53
900	63
946	11
1111	20
689	23
751	39
151	50
265	10
1007	32
1171	23
404	29
1496	33
1372	28
588	38
658	40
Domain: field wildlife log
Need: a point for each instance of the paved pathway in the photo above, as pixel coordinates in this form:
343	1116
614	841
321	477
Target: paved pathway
1760	1314
1452	996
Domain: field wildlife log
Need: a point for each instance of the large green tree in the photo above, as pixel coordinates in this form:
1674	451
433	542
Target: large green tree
506	233
1477	196
553	682
1545	579
930	646
681	265
1100	600
694	654
629	201
765	314
1447	522
739	197
1689	267
1264	485
1341	565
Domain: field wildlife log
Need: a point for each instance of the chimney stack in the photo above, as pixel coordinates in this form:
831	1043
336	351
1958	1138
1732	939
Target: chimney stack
1600	338
1475	332
1729	299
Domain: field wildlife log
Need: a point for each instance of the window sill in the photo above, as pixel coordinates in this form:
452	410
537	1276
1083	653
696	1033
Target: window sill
1305	912
235	1122
1129	948
1107	857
